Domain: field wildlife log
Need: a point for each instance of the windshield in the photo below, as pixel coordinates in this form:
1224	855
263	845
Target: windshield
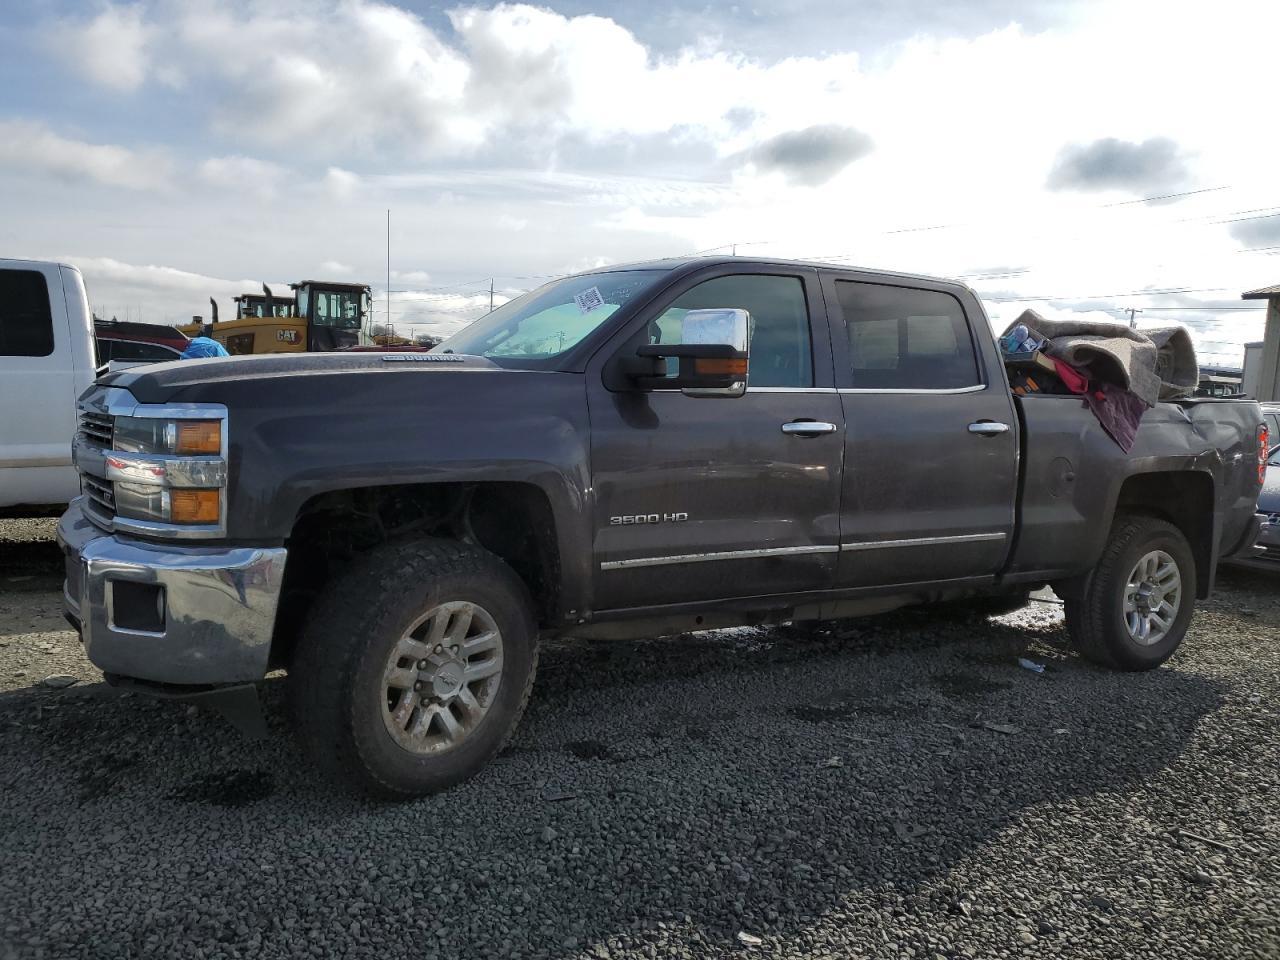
551	319
337	308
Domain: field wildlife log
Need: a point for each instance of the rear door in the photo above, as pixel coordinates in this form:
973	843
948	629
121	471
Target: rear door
702	498
931	444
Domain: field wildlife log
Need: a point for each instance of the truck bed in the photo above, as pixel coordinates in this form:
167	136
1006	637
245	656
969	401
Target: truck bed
1072	472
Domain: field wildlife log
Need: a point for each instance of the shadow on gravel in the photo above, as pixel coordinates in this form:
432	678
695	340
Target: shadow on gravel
30	565
743	780
1248	579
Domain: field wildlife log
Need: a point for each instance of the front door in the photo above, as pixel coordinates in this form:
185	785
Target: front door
704	498
931	447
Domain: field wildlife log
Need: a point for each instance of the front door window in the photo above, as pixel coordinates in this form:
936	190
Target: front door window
781	354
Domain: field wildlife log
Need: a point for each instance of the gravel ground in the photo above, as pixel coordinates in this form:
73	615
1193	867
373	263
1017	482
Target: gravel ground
789	792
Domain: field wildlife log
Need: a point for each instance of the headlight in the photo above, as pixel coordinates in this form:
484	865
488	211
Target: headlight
191	438
167	472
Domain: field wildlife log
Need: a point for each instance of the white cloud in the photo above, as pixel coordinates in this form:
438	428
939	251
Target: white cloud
154	293
333	270
111	49
32	148
599	148
341	184
247	174
441	314
341	79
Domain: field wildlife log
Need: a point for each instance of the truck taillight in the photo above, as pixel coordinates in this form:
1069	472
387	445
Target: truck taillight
1263	441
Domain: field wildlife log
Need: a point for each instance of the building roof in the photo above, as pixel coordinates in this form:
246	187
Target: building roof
1262	293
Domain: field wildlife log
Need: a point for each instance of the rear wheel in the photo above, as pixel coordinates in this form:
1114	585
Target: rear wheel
415	669
1137	603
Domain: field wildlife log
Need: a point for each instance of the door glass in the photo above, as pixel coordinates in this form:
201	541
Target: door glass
906	339
337	308
26	326
781	355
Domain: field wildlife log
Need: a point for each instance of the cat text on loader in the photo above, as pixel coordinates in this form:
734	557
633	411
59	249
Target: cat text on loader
321	316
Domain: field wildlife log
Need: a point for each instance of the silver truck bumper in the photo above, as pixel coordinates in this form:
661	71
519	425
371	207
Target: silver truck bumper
176	614
1264	552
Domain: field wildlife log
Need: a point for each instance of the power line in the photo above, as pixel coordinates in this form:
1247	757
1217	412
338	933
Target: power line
1227	213
1163	196
449	286
1262	216
1173	291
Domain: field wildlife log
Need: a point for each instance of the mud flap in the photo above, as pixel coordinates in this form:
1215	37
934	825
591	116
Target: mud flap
238	704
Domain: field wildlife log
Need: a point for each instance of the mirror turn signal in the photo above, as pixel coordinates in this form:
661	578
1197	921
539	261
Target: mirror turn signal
720	367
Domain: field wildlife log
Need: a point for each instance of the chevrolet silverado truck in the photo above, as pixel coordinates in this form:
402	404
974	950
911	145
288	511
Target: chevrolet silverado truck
635	451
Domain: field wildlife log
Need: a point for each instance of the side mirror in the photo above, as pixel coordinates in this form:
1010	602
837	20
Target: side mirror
712	355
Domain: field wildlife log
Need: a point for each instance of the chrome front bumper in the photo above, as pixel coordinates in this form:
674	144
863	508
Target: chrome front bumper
217	605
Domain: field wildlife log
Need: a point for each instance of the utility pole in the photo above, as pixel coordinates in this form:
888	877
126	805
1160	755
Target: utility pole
1133	312
388	269
491	294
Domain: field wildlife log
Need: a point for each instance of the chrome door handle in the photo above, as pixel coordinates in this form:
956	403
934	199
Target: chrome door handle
808	428
988	428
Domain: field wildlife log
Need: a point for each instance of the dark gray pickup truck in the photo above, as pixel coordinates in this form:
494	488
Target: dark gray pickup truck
634	451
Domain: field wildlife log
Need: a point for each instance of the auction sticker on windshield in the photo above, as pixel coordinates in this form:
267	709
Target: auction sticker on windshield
589	300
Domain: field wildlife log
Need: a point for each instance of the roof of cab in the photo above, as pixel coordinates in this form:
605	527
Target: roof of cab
685	263
339	284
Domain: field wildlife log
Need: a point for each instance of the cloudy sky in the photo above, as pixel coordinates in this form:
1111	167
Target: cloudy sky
1063	155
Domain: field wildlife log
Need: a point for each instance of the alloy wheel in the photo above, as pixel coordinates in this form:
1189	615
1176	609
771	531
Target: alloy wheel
442	677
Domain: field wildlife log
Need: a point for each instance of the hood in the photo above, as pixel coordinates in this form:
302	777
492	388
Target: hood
1269	495
159	382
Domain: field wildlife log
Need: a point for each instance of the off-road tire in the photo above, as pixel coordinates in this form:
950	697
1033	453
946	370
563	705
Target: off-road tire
336	669
1095	619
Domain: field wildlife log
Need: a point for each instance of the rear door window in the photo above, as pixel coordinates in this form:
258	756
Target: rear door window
903	338
26	325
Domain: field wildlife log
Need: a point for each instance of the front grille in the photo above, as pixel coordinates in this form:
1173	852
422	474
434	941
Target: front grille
101	494
96	428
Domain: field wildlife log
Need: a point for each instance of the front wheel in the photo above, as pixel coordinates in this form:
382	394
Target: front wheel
1137	604
415	669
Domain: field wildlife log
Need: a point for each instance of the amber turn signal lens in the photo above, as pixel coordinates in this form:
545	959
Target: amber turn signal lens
193	506
201	437
720	368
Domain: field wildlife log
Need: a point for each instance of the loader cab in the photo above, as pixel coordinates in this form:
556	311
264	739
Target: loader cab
336	313
255	305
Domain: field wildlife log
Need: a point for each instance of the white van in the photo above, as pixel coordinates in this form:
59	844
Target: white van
46	361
